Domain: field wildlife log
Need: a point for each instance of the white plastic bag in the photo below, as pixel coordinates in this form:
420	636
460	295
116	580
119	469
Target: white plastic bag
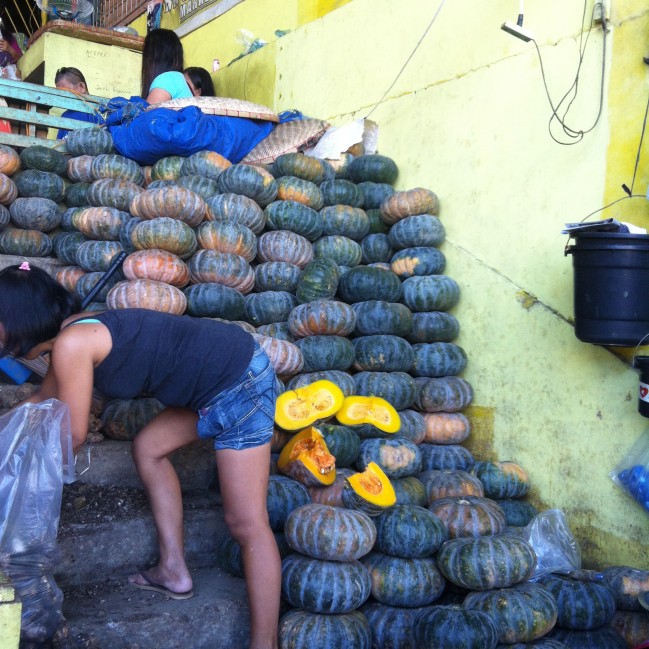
31	485
556	548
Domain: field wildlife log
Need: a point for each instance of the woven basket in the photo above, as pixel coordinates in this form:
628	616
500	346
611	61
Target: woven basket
288	137
222	106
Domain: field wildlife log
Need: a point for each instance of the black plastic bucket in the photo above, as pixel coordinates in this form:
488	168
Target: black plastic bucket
611	287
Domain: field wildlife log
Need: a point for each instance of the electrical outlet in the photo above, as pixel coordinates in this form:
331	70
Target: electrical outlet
602	11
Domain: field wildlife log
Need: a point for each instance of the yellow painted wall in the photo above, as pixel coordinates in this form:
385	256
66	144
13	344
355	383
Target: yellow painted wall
468	118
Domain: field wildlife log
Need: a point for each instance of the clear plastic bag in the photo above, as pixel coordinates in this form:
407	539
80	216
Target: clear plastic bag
34	439
556	548
632	472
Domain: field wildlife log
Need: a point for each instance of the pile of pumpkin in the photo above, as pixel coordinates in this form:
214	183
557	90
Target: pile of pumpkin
381	517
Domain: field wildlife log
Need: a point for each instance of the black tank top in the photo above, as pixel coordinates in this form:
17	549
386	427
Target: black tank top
182	361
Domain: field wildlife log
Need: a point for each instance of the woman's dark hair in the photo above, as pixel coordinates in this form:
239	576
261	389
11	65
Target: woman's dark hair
73	75
32	307
202	81
162	52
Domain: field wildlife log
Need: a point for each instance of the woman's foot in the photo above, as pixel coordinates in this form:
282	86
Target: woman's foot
155	580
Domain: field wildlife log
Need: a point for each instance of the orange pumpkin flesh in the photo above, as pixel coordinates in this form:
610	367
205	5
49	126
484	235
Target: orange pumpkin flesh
369	410
307	459
304	406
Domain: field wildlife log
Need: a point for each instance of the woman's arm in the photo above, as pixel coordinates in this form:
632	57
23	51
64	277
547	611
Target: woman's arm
157	96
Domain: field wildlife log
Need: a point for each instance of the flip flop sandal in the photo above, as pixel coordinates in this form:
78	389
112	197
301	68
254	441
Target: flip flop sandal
159	588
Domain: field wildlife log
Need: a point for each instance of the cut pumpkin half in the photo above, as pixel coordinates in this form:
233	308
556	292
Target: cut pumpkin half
296	409
307	459
369	491
376	411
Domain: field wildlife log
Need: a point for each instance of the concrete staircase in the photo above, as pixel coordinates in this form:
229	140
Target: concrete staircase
98	553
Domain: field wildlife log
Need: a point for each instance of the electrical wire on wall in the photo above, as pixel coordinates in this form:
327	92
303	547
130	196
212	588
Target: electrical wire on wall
403	67
560	115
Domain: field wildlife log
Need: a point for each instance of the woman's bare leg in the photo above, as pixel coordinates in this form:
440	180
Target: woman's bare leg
172	429
243	480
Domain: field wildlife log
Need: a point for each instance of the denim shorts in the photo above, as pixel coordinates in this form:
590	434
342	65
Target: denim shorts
242	416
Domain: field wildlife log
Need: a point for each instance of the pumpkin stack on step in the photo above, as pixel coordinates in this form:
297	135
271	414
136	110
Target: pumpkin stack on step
631	620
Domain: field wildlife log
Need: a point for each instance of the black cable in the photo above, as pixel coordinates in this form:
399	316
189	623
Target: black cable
576	135
637	157
624	198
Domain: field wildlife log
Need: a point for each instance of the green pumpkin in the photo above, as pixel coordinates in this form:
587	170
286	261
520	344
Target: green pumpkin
438	359
339	249
77	195
66	244
238	208
27	243
364	283
89	141
319	281
382	353
167	168
420	260
277	276
447	394
227	236
398	581
207	164
583	605
381	317
123	419
342	379
448	483
35	214
433	326
397	456
277	330
97	255
283	245
343	443
323	353
112	165
522	613
320	586
267	307
164	233
345	631
223	268
373	168
87	283
376	248
445	456
43	158
294	216
101	223
409	531
413	426
329	533
374	194
300	166
40	184
454	627
430	293
377	224
283	496
290	188
345	221
212	300
322	318
486	562
409	491
204	187
502	479
125	234
518	513
342	192
397	388
250	181
627	584
420	230
110	192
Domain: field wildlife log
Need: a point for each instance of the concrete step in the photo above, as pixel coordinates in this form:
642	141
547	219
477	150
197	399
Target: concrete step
116	615
108	532
110	463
